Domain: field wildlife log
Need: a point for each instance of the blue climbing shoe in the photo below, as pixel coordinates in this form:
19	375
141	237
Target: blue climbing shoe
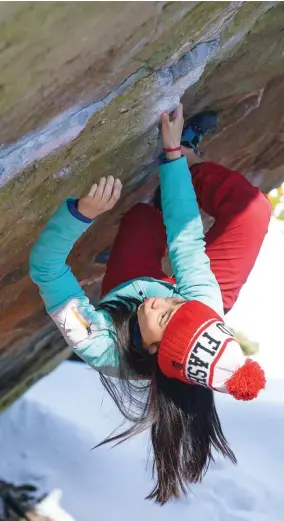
197	127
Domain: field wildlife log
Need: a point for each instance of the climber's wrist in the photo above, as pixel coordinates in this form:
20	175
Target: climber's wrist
172	152
171	156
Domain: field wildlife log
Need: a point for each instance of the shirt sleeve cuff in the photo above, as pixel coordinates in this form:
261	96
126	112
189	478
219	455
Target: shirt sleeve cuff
164	159
73	209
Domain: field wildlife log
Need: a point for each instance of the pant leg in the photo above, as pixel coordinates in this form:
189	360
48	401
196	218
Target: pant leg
138	248
242	214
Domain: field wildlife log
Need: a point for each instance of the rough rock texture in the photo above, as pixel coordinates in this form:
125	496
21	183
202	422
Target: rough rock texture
82	87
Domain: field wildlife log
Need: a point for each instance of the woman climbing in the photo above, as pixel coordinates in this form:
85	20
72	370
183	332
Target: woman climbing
164	337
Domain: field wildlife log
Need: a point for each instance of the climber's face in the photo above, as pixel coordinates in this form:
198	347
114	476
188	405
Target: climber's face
153	317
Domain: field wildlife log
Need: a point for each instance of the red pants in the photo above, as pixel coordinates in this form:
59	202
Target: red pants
241	213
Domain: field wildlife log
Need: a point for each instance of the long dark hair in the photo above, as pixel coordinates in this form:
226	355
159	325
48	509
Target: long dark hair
183	419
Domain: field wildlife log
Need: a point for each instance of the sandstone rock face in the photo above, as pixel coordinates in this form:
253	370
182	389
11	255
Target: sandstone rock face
82	88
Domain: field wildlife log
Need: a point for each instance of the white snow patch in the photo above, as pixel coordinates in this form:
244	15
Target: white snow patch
259	309
50	507
47	438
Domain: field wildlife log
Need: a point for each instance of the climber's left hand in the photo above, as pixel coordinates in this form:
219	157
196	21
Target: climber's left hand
172	126
101	198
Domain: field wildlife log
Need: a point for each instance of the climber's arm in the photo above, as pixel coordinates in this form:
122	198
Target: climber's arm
88	331
185	236
48	268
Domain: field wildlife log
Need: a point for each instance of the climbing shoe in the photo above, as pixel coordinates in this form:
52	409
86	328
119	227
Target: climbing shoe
197	127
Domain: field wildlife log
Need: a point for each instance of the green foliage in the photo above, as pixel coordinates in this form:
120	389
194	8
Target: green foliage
276	199
249	347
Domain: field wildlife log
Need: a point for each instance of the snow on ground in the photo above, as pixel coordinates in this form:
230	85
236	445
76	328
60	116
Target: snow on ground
47	436
259	309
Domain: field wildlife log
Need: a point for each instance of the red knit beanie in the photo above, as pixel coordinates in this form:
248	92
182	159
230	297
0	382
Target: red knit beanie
198	348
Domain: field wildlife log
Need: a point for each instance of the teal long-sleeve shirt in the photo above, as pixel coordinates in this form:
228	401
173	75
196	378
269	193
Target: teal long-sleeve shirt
90	332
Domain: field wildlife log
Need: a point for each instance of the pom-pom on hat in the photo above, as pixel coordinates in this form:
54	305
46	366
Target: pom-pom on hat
198	348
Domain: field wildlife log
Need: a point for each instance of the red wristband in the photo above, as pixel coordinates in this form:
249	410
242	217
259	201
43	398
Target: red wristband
177	149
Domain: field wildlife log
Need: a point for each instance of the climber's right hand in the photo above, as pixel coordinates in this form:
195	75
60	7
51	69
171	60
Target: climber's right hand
101	197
